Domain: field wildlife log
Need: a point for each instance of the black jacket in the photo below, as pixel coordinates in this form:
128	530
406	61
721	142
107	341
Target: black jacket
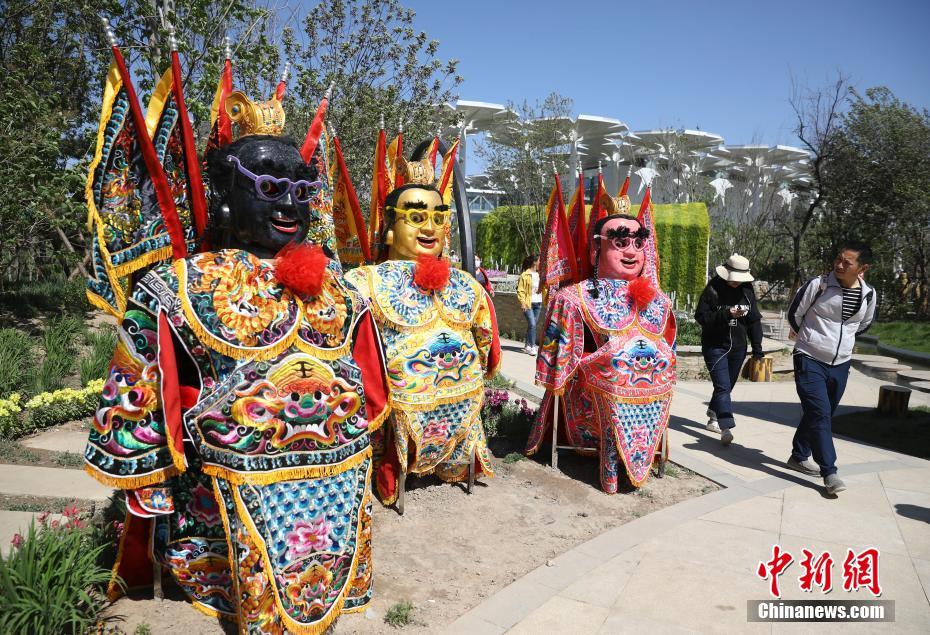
713	314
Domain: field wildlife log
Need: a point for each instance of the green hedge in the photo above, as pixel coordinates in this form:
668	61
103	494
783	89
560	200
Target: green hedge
497	238
683	230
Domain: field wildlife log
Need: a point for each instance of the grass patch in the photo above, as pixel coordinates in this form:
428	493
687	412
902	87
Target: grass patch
96	361
398	615
16	359
914	336
907	435
59	342
69	459
12	452
672	470
514	457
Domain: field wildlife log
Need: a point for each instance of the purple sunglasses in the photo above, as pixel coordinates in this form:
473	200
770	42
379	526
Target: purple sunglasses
270	188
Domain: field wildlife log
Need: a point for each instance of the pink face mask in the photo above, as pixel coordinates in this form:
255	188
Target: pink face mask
622	257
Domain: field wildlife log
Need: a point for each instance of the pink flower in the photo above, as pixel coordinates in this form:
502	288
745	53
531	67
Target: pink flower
70	512
307	537
119	528
55	524
77	523
17	541
43	518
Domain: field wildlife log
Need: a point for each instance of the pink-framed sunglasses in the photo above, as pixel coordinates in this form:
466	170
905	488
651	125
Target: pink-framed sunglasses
270	188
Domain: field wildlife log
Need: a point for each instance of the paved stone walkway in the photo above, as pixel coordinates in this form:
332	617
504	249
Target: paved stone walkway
691	567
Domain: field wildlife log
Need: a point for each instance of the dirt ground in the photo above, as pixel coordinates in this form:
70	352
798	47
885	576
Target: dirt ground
450	550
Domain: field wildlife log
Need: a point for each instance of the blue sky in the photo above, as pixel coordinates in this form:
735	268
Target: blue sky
722	66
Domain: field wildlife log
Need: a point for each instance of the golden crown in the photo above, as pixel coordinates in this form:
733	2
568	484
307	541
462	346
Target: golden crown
264	117
420	172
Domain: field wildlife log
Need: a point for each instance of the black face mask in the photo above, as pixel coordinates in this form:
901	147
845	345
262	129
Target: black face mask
259	226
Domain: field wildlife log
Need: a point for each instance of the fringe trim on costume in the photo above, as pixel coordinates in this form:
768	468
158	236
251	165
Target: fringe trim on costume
209	611
132	482
178	458
335	609
375	424
104	306
230	554
290	474
634	400
223	347
114	589
329	354
146	259
431	405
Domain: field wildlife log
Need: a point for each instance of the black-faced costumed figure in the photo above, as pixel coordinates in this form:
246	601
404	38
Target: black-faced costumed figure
247	378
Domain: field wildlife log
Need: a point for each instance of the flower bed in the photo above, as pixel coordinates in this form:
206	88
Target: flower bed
47	409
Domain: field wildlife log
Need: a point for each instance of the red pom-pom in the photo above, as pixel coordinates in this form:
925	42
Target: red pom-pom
642	291
431	273
301	268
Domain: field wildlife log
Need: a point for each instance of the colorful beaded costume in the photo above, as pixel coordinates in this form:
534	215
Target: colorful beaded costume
610	357
440	346
237	416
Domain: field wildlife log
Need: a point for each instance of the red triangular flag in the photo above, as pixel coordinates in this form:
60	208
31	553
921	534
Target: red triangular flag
316	130
557	256
195	191
577	225
351	239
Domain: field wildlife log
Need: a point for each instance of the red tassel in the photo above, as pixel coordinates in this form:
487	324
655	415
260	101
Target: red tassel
642	291
300	268
431	273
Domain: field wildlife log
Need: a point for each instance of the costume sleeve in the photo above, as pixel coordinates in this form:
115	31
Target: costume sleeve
367	353
136	440
484	330
563	343
671	330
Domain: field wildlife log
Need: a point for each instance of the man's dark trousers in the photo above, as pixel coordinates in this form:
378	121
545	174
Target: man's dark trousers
724	368
820	387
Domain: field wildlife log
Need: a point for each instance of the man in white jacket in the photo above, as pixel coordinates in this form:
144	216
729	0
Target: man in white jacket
826	315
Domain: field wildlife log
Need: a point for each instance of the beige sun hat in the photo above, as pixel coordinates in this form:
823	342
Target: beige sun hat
735	269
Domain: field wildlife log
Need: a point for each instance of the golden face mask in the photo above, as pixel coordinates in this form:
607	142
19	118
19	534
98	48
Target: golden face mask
420	225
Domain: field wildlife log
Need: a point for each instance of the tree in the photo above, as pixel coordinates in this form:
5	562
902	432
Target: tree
878	189
53	61
817	125
381	66
520	162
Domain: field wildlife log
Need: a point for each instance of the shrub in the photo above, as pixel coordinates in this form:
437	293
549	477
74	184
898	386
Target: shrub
96	361
59	344
67	404
16	358
504	418
43	296
52	581
10	421
689	333
399	614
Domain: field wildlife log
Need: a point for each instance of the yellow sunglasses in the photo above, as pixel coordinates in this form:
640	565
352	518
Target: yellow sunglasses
419	217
